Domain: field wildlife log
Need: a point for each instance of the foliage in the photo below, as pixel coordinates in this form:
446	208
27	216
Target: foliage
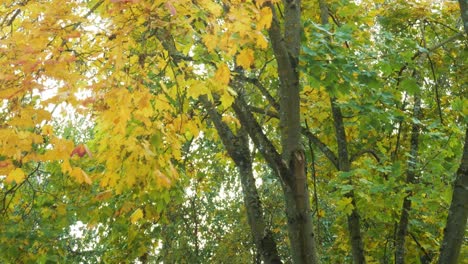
108	154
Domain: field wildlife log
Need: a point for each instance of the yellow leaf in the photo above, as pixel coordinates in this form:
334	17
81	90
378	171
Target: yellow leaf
210	42
265	17
226	100
137	215
321	213
245	58
80	176
16	175
162	180
345	205
222	75
261	41
197	89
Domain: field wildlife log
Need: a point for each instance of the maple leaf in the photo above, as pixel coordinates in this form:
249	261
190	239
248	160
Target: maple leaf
81	150
227	100
245	58
16	175
265	18
47	130
222	75
80	176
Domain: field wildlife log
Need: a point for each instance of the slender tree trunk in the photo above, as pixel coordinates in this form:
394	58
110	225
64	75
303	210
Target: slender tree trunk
354	226
411	178
262	235
238	149
344	165
458	213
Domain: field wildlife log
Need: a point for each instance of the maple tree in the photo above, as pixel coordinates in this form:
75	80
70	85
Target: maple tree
130	130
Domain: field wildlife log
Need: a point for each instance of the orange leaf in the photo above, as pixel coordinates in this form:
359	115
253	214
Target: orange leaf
81	150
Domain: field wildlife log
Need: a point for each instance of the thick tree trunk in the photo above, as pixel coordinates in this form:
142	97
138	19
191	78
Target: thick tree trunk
294	180
301	233
238	149
402	228
458	213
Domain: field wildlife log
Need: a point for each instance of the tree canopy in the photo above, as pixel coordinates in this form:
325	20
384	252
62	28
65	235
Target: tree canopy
233	131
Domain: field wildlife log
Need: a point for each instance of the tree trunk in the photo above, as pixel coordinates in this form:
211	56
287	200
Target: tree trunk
344	165
294	179
354	226
411	178
458	213
238	149
262	235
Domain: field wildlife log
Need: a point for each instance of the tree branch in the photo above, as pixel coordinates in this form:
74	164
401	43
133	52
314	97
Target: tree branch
358	154
264	145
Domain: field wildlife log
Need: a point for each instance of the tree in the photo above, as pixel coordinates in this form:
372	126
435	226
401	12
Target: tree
458	213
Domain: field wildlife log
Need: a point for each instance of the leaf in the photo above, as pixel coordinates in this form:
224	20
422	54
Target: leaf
197	89
344	205
227	100
80	176
137	215
410	85
265	18
245	58
222	75
81	150
17	175
171	8
47	130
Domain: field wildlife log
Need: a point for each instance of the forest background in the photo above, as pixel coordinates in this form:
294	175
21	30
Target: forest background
232	131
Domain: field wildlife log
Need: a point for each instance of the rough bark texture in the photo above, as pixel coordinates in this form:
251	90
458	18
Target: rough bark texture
458	213
238	149
411	177
294	181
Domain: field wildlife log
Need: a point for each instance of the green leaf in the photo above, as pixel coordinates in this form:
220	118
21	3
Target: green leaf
410	86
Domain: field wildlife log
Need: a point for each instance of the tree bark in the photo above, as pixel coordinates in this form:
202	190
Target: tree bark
286	49
238	149
458	213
